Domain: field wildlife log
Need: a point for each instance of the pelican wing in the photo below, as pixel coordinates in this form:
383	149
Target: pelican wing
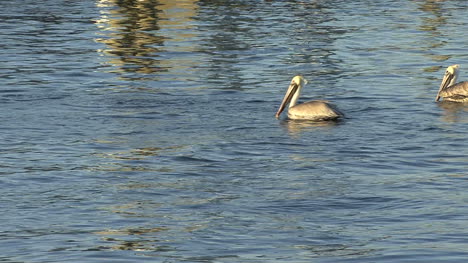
314	110
457	91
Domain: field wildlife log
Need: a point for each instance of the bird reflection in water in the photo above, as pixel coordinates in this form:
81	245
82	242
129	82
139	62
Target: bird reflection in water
296	127
453	111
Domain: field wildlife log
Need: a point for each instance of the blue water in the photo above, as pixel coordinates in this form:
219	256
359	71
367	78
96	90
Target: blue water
144	131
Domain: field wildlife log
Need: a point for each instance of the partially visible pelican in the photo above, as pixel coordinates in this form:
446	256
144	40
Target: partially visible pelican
451	91
316	110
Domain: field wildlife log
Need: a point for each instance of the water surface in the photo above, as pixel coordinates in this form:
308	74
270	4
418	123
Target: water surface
144	131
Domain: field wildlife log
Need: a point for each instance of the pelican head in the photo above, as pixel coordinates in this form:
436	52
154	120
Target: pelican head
450	77
292	94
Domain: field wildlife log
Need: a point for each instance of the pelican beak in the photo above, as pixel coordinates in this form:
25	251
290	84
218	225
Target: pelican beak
445	82
287	98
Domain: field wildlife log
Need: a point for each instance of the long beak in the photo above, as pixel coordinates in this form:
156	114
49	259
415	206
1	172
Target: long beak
287	98
445	82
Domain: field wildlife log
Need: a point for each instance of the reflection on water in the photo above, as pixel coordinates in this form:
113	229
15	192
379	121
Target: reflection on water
296	127
191	165
130	231
453	111
140	153
135	160
135	239
135	32
127	31
435	18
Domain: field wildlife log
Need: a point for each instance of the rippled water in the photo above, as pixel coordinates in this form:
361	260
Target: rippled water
144	131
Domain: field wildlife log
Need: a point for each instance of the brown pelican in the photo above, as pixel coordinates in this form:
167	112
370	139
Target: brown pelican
316	110
451	91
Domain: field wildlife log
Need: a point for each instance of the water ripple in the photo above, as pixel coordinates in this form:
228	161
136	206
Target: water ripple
137	130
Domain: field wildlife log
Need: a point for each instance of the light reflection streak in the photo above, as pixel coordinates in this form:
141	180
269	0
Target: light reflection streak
138	33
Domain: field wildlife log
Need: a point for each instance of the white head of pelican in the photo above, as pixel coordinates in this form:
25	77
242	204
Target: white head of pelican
449	90
316	110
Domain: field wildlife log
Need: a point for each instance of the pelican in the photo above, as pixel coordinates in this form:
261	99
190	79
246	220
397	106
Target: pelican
451	91
316	110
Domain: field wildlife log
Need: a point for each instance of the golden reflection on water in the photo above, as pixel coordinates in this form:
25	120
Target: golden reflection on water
436	17
135	32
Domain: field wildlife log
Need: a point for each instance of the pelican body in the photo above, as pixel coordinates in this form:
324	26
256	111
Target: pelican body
315	110
451	91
